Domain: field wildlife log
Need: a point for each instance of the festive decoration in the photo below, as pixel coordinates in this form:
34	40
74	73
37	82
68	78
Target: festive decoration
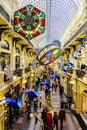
81	45
84	39
78	52
86	34
29	22
57	42
63	70
69	64
19	102
74	57
48	54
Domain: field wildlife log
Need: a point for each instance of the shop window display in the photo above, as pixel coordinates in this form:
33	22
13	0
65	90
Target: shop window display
5	60
17	65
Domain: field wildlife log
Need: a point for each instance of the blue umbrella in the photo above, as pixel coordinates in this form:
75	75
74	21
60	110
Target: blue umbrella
74	57
70	64
32	93
78	52
84	39
81	45
63	70
46	84
12	103
56	76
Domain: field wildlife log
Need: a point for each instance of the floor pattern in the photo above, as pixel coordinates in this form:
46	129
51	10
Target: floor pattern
71	122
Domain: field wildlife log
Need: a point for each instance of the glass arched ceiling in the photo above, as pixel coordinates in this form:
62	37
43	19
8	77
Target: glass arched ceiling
58	15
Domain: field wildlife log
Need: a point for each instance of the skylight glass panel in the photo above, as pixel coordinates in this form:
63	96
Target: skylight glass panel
59	13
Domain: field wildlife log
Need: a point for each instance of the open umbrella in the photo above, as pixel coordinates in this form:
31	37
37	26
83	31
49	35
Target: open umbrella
74	57
63	70
78	52
70	64
12	103
55	76
81	45
46	84
32	93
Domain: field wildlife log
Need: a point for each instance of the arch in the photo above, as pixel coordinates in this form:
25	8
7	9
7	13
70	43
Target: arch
17	50
4	44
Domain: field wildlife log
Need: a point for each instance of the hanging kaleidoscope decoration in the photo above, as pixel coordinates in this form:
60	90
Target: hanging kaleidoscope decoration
29	22
57	42
48	54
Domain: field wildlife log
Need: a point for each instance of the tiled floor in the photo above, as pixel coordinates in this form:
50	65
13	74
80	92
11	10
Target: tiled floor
71	122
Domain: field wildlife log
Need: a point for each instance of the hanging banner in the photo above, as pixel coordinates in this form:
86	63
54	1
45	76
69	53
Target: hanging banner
19	102
36	88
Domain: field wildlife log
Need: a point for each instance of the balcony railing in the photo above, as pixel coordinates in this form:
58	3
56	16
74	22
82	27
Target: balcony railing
21	71
18	72
80	73
70	70
27	69
84	26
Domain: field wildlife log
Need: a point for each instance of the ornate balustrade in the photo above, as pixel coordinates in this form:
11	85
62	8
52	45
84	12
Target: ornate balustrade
27	69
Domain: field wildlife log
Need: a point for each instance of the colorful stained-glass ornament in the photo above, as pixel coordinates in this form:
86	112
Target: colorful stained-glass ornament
48	54
29	22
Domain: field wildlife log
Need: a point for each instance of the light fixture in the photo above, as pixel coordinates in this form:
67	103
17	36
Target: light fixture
32	74
48	54
25	81
72	82
14	77
85	79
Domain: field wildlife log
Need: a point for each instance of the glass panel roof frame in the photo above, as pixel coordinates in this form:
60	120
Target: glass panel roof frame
61	10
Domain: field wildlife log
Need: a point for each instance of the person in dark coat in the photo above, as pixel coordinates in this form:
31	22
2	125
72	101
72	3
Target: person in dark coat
55	120
44	116
61	90
62	117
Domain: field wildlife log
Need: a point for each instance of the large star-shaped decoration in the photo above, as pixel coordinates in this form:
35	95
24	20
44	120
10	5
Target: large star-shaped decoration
29	22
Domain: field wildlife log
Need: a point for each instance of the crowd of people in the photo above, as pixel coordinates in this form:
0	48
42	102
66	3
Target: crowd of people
55	86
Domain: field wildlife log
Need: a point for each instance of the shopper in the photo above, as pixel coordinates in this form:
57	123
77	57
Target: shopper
70	100
62	117
73	107
55	120
44	116
40	102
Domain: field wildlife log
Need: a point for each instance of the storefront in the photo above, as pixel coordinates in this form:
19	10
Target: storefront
5	54
84	103
11	114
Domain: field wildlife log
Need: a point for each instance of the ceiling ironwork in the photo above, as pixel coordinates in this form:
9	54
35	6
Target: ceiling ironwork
59	13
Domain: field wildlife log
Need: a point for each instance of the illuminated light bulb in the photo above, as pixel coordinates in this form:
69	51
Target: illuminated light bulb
14	77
